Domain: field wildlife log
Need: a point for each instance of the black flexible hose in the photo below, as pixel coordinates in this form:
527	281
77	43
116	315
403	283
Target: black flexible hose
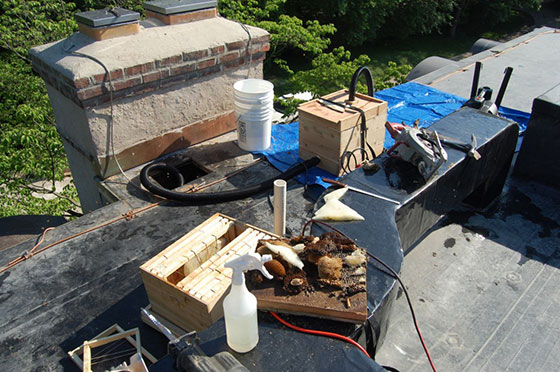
354	82
222	196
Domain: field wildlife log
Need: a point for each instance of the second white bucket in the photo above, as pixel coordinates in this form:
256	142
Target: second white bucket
253	100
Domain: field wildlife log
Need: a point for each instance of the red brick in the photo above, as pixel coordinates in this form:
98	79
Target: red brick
66	79
172	81
205	63
81	83
128	83
261	57
265	47
100	78
229	57
261	39
169	61
145	88
235	63
67	90
164	73
139	69
193	56
117	74
151	76
50	79
258	57
257	48
210	70
87	93
88	103
236	45
106	96
182	69
218	50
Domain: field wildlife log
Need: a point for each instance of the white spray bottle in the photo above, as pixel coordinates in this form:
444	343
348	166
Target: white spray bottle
240	305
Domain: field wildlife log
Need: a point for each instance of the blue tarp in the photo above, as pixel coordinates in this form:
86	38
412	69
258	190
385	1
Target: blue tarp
407	102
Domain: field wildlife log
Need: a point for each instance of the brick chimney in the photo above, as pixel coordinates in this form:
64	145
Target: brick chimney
172	87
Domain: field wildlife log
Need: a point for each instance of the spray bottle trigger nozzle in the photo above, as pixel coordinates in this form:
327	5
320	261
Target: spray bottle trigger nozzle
250	261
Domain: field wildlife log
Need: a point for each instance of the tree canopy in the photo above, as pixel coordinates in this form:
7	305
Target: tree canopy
309	41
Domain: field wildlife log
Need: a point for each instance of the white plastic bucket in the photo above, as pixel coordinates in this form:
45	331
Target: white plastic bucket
253	100
241	109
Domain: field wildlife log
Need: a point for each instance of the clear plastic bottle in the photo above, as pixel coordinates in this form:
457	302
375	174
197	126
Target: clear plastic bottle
240	305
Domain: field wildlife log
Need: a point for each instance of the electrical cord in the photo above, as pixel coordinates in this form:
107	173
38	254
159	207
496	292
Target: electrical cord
217	197
248	48
354	83
320	333
125	216
347	156
27	254
108	74
412	312
390	272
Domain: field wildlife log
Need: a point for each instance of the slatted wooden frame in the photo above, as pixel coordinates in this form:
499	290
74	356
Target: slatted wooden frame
328	134
187	281
81	355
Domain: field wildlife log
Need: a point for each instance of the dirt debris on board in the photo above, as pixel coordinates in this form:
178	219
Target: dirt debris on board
332	263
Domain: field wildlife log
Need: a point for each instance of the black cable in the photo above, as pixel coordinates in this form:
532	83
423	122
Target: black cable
394	274
391	369
217	197
354	83
346	157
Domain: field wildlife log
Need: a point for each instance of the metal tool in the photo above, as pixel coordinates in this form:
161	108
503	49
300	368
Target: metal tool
189	356
341	184
417	146
481	98
468	148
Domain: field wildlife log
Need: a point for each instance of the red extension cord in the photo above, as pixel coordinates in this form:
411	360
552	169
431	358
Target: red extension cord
320	333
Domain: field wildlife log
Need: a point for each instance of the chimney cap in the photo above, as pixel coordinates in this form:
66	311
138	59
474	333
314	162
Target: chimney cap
106	17
168	7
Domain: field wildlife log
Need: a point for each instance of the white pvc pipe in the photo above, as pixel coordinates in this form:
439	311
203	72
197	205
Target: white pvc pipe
280	207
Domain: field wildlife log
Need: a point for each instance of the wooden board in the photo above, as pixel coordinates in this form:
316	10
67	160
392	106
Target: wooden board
330	134
318	298
113	333
187	281
319	304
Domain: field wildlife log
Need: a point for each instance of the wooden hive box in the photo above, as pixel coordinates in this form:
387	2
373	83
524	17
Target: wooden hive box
328	134
187	281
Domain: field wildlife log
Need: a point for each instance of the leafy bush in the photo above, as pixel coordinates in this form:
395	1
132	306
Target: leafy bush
30	148
330	72
302	38
287	33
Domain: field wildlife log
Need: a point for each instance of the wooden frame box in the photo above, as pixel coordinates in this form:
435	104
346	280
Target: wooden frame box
328	134
187	281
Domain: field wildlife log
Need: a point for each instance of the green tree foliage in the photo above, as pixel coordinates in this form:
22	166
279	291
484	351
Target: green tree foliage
419	17
30	148
287	33
303	34
486	14
329	72
361	21
304	40
356	21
